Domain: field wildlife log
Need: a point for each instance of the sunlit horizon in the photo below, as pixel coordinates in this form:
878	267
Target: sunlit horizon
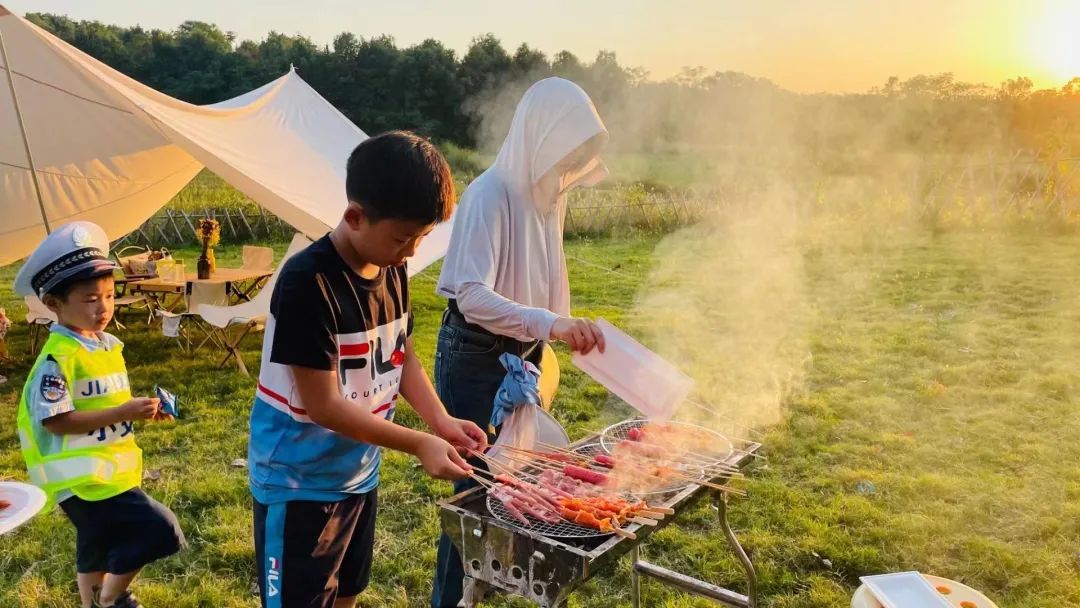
831	45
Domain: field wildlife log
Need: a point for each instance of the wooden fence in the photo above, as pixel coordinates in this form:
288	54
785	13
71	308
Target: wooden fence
602	211
177	228
1022	185
590	214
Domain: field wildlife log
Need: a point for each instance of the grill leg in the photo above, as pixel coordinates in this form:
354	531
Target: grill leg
472	591
635	581
733	542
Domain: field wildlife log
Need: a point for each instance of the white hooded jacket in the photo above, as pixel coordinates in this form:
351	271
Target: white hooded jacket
505	264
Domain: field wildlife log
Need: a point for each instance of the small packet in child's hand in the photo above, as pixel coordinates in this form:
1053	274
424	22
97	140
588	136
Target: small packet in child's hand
167	408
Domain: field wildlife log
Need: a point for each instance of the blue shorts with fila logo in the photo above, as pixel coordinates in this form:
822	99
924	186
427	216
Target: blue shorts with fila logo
311	553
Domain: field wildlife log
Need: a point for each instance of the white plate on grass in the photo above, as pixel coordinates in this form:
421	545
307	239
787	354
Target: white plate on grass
26	501
956	594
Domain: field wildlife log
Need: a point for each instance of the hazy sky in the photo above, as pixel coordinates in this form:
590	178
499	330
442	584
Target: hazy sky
836	45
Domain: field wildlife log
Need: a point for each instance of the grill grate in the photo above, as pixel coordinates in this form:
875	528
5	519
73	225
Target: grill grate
619	431
563	529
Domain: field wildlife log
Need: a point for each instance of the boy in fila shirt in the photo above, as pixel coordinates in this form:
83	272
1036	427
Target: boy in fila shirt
336	355
76	420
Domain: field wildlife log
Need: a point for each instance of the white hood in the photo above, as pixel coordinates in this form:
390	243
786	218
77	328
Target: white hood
553	119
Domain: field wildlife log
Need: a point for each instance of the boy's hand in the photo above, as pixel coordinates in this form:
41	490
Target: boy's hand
440	459
462	434
139	408
581	335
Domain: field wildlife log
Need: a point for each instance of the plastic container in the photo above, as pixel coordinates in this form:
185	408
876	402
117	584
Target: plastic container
638	376
904	590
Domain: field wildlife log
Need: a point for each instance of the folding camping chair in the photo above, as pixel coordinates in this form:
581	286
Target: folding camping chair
134	267
228	325
258	259
178	325
40	319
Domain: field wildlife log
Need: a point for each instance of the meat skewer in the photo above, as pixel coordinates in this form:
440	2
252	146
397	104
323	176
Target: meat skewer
520	498
552	457
586	475
600	479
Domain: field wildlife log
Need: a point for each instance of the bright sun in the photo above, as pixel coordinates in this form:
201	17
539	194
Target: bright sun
1056	40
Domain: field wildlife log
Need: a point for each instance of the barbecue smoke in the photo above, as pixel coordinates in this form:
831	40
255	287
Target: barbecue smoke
781	181
726	301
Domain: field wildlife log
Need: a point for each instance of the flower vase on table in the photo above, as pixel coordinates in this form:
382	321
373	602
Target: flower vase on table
209	234
203	266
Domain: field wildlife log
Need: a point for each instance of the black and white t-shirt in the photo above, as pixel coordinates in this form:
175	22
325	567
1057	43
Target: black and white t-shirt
324	316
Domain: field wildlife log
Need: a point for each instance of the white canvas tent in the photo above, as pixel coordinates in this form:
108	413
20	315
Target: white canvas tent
81	141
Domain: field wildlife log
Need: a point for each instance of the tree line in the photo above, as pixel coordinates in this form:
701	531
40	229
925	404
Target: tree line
468	100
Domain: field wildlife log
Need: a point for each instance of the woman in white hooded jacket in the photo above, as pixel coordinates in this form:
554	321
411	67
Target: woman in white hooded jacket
505	271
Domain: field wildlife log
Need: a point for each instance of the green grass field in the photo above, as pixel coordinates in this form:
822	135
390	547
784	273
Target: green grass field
933	427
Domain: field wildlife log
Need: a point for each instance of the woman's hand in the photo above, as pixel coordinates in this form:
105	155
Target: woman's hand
581	335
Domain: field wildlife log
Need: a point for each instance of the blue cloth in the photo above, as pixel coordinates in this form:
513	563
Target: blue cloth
520	386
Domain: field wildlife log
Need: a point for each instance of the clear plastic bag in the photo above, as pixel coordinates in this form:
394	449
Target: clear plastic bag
522	422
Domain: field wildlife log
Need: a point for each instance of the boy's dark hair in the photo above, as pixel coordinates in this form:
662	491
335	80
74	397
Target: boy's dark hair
402	176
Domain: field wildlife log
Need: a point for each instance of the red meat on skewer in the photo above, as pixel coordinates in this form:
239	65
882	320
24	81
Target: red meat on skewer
586	475
604	460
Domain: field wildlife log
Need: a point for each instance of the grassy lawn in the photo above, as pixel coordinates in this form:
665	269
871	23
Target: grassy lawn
930	425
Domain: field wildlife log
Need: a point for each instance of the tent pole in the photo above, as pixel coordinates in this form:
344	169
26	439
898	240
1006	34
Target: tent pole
22	129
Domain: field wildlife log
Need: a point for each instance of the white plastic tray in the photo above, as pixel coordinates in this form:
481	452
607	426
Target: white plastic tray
957	594
904	590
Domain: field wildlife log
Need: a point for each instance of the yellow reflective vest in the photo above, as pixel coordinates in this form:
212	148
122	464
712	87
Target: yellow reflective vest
95	465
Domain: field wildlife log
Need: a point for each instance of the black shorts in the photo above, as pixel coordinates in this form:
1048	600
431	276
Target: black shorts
311	553
123	533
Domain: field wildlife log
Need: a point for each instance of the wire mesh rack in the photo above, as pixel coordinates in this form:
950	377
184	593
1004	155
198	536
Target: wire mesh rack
719	449
561	529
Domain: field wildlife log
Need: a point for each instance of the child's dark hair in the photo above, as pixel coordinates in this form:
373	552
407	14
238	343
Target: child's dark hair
402	176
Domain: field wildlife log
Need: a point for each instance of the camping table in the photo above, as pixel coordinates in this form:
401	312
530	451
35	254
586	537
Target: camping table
239	283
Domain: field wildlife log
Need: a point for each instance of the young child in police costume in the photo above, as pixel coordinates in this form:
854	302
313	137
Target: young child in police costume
76	420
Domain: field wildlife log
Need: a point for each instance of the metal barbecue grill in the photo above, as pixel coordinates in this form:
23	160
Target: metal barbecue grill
544	563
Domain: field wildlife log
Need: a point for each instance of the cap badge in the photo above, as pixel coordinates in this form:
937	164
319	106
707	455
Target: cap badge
81	237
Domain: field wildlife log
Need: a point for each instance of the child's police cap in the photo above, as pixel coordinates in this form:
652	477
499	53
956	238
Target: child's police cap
75	251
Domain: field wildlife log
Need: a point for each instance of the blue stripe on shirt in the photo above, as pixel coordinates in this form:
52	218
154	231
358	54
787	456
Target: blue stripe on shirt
292	460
